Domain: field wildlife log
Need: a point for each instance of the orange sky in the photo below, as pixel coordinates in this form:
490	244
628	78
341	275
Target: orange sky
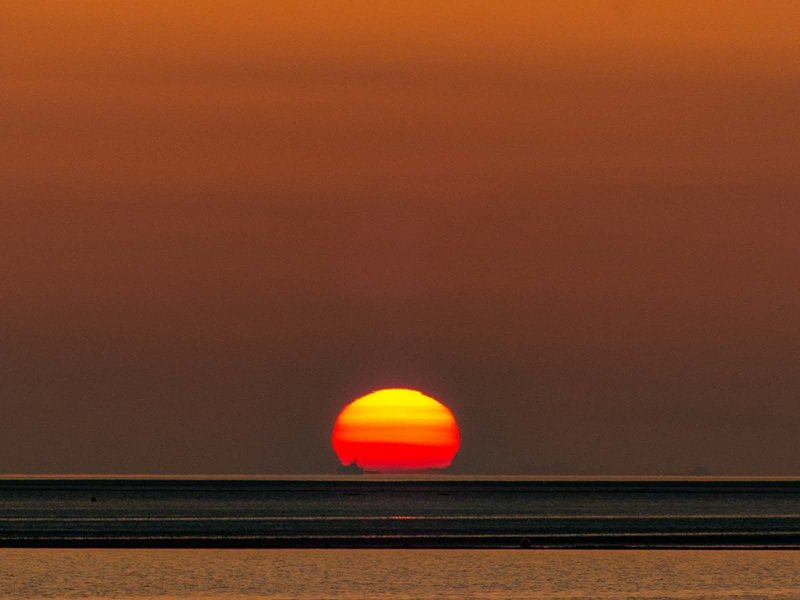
574	222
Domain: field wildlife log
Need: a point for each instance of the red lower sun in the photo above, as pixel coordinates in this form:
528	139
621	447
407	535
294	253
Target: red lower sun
396	430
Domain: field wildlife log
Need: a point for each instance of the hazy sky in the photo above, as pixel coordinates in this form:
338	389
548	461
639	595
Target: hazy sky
577	224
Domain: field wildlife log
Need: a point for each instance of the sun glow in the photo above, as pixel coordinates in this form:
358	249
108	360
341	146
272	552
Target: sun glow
396	430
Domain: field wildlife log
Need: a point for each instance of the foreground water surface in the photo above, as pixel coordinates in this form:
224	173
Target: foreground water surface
399	574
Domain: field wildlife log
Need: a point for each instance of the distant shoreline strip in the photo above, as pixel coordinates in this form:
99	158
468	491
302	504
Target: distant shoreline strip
665	541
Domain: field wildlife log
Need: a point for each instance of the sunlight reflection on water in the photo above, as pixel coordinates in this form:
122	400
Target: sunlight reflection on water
402	574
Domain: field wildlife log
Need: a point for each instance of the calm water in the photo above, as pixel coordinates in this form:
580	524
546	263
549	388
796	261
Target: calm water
403	513
399	574
347	538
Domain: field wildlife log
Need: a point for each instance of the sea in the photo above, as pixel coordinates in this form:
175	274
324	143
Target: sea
399	537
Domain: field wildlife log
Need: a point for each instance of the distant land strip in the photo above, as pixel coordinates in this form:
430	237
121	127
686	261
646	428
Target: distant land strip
665	541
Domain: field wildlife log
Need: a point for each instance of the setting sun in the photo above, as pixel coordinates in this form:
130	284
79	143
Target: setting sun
396	430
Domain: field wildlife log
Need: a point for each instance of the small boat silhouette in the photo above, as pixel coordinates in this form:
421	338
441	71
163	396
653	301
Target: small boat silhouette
352	469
